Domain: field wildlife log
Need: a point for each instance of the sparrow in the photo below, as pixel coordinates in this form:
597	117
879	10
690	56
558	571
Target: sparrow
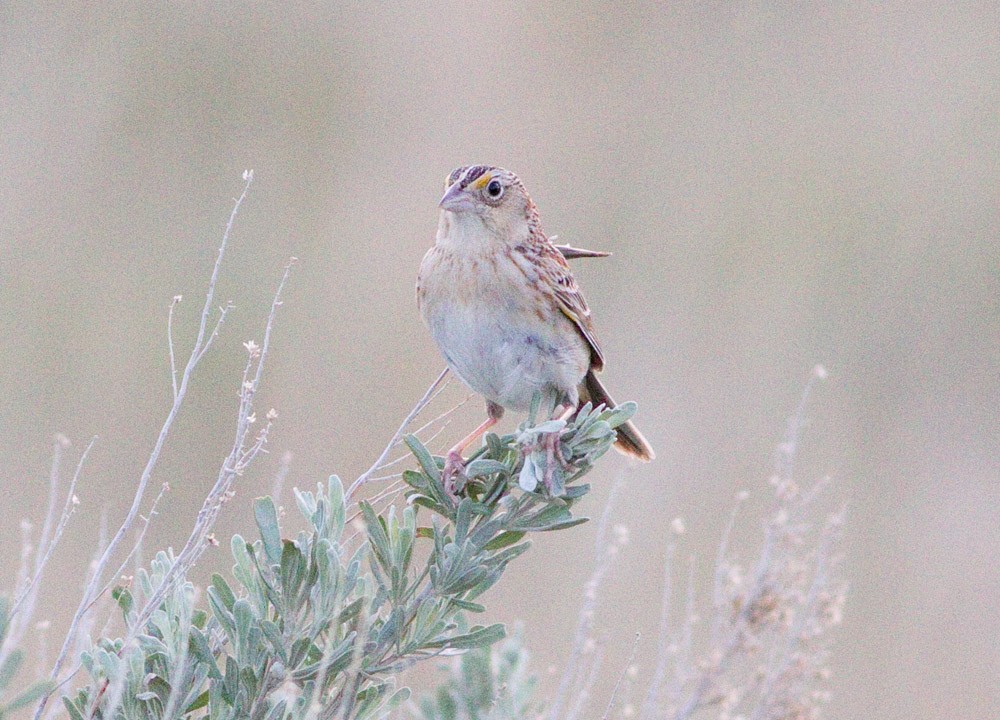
504	309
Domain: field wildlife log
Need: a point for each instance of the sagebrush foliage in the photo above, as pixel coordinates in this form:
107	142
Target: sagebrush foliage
14	697
485	684
320	625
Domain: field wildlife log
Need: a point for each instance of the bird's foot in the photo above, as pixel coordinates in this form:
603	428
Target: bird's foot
454	469
553	455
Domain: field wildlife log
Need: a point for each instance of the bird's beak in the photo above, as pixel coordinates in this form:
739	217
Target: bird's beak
456	199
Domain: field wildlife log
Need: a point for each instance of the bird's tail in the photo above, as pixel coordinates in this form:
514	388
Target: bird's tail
630	441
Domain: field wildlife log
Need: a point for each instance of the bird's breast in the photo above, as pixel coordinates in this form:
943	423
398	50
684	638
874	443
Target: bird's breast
496	329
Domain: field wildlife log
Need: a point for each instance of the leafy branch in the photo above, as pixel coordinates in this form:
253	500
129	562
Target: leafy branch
315	627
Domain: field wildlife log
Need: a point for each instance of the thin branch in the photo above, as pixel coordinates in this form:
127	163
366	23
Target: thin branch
722	565
22	580
445	416
621	678
584	684
136	546
397	437
426	441
61	443
234	465
789	448
651	707
170	342
154	457
68	508
586	617
223	313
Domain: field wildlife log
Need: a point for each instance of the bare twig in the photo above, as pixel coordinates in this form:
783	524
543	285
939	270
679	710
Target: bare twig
445	417
136	546
585	682
60	444
585	622
235	464
196	354
223	313
68	508
397	437
779	611
621	678
651	705
240	457
170	342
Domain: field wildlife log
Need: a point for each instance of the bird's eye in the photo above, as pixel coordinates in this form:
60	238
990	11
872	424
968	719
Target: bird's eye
494	189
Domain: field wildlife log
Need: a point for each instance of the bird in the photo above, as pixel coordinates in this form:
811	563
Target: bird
505	311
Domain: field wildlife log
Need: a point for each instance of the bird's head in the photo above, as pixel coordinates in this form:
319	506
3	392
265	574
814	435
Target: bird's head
488	198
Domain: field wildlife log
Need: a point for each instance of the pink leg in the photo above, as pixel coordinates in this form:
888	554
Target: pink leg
454	463
551	444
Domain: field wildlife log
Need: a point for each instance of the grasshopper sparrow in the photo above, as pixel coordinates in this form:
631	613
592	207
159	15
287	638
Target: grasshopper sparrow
503	307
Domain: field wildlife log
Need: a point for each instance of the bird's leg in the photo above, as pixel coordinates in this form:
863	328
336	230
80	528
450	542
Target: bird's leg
454	463
551	445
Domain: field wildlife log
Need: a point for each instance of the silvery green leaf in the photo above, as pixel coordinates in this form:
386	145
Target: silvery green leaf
293	568
563	524
466	605
549	426
29	696
267	523
620	414
244	566
378	540
494	445
415	480
199	702
350	611
338	510
223	590
277	712
395	700
109	663
152	646
575	491
244	617
462	519
598	429
477	637
527	479
536	401
198	648
123	597
298	652
481	467
557	486
542	519
423	457
10	667
306	502
504	539
426	502
74	713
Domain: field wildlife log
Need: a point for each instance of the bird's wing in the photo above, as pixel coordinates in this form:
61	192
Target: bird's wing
568	296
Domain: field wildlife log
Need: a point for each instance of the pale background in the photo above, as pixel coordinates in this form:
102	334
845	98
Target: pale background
782	185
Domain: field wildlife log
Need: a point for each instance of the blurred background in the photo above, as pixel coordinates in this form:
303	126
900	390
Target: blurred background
781	185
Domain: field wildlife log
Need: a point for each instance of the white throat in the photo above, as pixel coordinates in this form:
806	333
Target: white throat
460	232
467	232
